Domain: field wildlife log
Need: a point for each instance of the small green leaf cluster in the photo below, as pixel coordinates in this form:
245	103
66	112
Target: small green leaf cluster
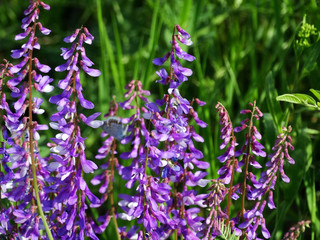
226	232
305	34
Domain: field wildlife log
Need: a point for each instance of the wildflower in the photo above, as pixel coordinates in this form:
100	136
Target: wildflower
135	129
69	162
179	157
178	74
24	179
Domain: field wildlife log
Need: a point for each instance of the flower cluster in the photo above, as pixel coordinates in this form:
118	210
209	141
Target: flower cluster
218	190
69	162
162	167
126	130
168	150
218	193
27	168
249	220
178	74
178	157
260	191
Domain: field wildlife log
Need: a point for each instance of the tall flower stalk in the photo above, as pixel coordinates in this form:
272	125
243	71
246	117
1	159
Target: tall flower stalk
171	155
112	129
258	192
69	162
175	135
26	161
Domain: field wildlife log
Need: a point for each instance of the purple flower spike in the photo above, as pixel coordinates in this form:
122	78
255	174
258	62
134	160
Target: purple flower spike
295	231
69	162
260	191
20	133
178	74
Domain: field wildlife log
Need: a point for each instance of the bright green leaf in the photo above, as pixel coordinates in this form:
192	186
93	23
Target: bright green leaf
298	98
289	98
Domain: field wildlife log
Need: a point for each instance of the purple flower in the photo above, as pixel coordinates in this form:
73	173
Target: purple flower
166	149
69	160
269	177
178	74
21	131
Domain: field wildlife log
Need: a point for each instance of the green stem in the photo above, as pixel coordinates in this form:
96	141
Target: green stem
111	191
244	187
31	149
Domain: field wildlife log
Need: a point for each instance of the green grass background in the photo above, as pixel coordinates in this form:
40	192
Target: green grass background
244	51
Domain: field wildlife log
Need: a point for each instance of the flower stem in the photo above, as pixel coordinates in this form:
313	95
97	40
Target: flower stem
31	149
111	190
244	187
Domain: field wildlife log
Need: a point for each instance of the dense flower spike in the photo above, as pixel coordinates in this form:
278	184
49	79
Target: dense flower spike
262	189
134	129
69	162
25	162
247	221
267	181
171	151
218	193
228	170
6	173
251	219
178	74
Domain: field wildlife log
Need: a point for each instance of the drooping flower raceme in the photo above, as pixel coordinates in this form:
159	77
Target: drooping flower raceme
27	173
69	161
250	151
178	74
263	189
168	151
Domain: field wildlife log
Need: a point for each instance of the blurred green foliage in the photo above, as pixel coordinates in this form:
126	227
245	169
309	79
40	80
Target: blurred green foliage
245	51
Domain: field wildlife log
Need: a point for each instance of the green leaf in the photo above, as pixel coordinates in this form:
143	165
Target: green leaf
226	232
298	98
316	93
289	98
312	131
306	99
